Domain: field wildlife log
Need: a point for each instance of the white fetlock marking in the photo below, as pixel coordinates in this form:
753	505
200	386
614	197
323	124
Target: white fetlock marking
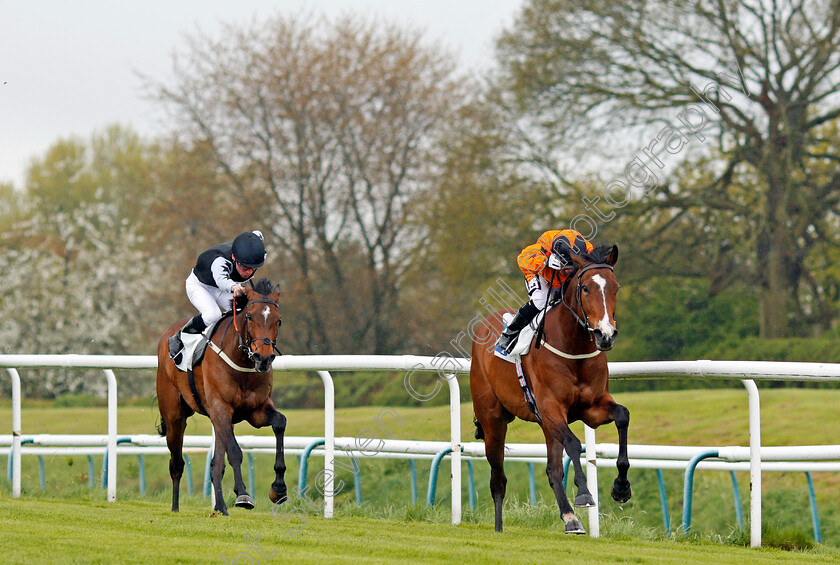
568	517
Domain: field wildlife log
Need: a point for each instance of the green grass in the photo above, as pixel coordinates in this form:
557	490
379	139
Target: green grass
92	531
709	417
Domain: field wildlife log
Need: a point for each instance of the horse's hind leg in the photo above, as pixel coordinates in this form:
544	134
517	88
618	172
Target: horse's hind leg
173	416
270	415
175	442
495	431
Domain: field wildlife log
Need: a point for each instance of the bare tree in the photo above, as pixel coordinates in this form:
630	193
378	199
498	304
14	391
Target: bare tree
764	73
326	131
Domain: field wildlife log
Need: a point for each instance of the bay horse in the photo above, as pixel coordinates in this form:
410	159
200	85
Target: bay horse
228	391
568	377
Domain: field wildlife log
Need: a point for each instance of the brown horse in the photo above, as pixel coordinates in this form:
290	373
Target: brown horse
568	377
227	392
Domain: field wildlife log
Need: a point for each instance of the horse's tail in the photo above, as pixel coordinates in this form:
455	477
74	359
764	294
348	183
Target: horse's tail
479	431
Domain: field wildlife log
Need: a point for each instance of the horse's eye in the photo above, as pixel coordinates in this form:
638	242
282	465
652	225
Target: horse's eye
584	288
248	317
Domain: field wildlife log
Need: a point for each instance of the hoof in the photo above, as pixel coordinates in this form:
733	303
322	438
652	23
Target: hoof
222	511
621	491
584	501
574	527
244	501
277	497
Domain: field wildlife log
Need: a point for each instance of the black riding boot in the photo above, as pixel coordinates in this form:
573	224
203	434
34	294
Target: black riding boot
522	319
194	325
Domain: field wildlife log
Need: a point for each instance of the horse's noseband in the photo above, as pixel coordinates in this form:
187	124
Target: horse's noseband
584	319
246	345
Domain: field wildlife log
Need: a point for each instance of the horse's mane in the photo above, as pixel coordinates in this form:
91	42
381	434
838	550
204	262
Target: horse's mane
264	287
599	254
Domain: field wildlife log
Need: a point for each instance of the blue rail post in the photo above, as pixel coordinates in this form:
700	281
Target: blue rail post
532	484
42	473
688	486
207	479
433	474
251	472
738	514
413	469
105	461
814	516
189	473
471	484
141	469
304	462
566	461
91	471
666	518
357	481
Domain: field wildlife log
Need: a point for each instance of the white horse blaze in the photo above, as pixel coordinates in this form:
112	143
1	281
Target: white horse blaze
265	313
604	324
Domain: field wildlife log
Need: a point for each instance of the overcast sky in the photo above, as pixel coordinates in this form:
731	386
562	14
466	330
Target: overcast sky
67	68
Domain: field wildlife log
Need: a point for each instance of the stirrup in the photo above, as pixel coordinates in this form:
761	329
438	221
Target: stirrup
506	342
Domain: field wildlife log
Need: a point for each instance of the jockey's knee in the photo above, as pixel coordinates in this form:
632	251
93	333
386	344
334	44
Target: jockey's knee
539	298
211	318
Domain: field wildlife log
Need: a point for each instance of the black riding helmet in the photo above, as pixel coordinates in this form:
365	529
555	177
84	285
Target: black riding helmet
563	248
249	250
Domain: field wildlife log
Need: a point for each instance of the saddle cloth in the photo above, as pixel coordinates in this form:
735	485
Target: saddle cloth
523	341
195	345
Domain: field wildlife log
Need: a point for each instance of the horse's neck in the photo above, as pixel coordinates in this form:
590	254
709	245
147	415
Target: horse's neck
562	330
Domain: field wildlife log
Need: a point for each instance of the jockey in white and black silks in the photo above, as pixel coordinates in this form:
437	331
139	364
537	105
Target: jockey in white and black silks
217	277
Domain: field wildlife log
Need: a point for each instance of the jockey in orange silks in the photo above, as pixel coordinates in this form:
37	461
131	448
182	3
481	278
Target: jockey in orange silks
546	265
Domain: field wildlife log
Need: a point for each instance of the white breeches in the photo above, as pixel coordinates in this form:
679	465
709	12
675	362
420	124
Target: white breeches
210	300
538	291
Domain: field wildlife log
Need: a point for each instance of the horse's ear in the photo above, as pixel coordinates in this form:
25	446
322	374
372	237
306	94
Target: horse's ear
612	258
579	261
240	300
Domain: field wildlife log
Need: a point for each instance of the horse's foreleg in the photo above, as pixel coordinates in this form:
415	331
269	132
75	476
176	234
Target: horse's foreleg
621	486
554	470
269	415
278	487
234	454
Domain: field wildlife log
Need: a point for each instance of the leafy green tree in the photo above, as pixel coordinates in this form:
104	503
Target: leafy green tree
324	130
754	79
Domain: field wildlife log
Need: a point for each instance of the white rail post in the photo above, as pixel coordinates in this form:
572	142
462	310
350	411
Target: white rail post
112	435
455	441
15	431
329	442
755	462
592	481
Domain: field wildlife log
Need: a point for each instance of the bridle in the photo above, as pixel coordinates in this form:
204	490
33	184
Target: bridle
583	319
246	345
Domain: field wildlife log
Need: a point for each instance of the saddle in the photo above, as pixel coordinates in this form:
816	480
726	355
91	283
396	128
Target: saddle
522	343
195	345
